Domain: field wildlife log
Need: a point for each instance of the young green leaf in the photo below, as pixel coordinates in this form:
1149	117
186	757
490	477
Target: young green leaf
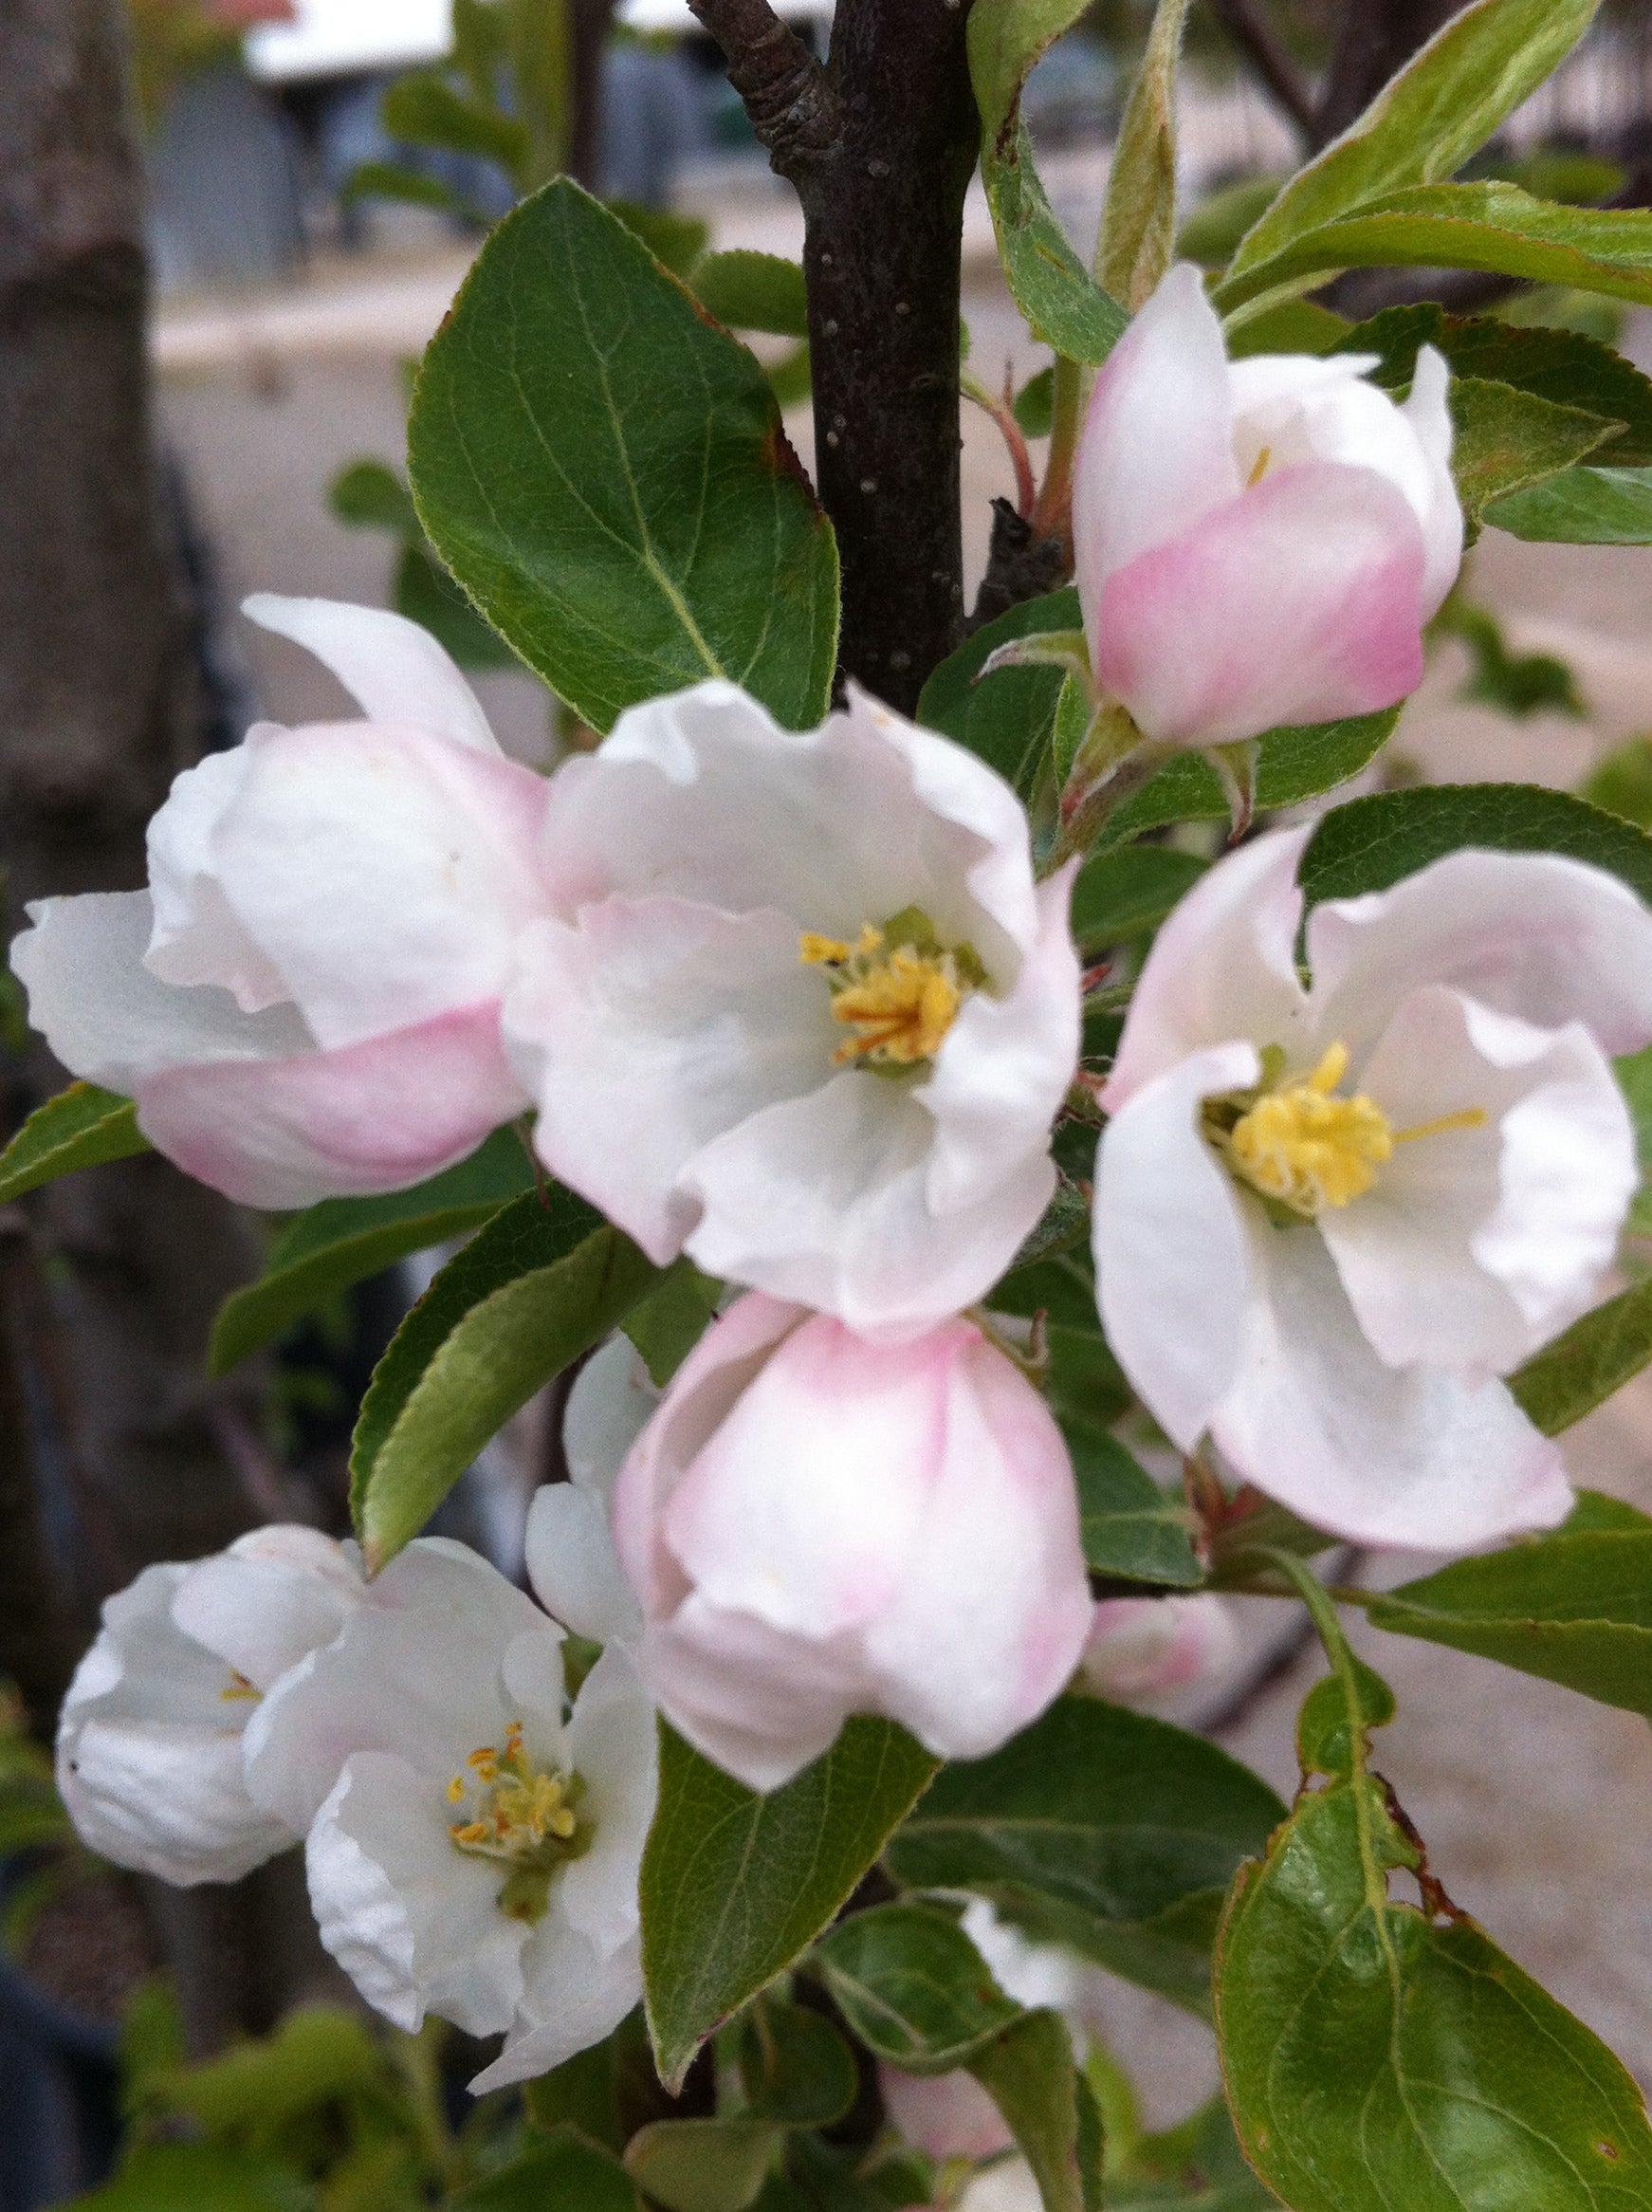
1009	719
342	1241
675	240
1120	893
1574	1607
754	291
1423	125
541	1284
604	471
1048	2107
1586	1363
1196	2166
673	1319
794	2068
566	2170
913	1987
1507	440
369	495
1582	507
197	2177
1372	842
734	1885
1377	2053
700	2165
1130	1527
1292	765
1115	1832
83	1126
1138	218
423	109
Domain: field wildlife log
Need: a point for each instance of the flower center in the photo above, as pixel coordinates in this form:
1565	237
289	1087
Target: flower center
896	989
1305	1148
522	1814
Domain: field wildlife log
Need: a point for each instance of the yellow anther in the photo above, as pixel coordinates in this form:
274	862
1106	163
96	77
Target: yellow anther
1470	1118
519	1814
896	989
469	1834
239	1687
456	1790
1261	468
817	951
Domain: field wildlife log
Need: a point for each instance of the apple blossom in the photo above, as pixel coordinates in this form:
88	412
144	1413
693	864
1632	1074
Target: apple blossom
945	2115
1330	1215
1259	542
816	1525
473	1842
149	1753
306	1000
1146	1647
799	1009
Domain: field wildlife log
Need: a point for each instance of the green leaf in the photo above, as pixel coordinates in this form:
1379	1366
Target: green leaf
425	592
1574	1608
1130	1527
316	2056
1138	218
388	180
423	109
754	291
1584	506
83	1126
913	1987
1120	893
1034	407
197	2177
1377	2055
1372	842
1423	125
1561	366
1507	440
567	2172
1008	720
675	240
342	1241
1517	684
1117	1830
541	1284
1292	765
1493	226
1197	2166
369	495
604	471
673	1319
1634	1073
1211	233
734	1885
1047	2104
1052	288
794	2068
580	2094
1586	1363
703	2166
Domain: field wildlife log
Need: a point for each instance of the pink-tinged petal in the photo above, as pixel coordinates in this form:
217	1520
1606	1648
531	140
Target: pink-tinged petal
1223	966
1299	601
197	937
385	873
1156	453
1474	1245
647	1030
824	1200
109	1019
394	669
1173	1265
860	1431
1005	1064
1148	1646
282	1134
945	2115
1415	1457
1546	939
985	1633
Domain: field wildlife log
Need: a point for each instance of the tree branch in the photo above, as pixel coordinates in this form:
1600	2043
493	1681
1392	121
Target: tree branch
1266	52
785	91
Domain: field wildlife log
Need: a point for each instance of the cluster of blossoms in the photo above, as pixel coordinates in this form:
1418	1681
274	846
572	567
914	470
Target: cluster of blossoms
798	1005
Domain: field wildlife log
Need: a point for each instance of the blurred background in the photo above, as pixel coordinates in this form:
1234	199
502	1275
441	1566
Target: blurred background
228	228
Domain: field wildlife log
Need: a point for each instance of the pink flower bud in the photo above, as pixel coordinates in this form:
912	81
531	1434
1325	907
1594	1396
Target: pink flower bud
945	2115
1143	1646
814	1525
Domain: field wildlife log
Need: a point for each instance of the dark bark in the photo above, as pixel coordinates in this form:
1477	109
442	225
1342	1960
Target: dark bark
1374	39
37	1640
1019	566
591	21
1261	45
880	145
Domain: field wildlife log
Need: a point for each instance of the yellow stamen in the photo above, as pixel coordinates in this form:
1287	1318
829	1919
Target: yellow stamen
456	1790
239	1687
1261	470
896	989
1470	1118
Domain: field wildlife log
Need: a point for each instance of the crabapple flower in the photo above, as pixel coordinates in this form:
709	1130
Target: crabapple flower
799	1009
1256	542
473	1840
1146	1647
1330	1215
306	1000
814	1525
571	1559
945	2115
149	1752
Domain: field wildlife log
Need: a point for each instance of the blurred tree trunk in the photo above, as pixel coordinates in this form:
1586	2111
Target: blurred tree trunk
591	20
1374	38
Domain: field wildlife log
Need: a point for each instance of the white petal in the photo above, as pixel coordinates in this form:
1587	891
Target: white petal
1428	411
109	1019
1547	939
412	1920
384	871
1173	1260
824	1200
574	1567
1223	966
614	1745
1417	1457
1004	1066
392	668
273	1597
1157	448
572	1997
612	1402
1474	1246
1296	408
650	1029
197	937
757	1702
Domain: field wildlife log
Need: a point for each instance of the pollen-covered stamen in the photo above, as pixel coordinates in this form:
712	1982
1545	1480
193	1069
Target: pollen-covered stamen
239	1687
1306	1147
897	989
522	1814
